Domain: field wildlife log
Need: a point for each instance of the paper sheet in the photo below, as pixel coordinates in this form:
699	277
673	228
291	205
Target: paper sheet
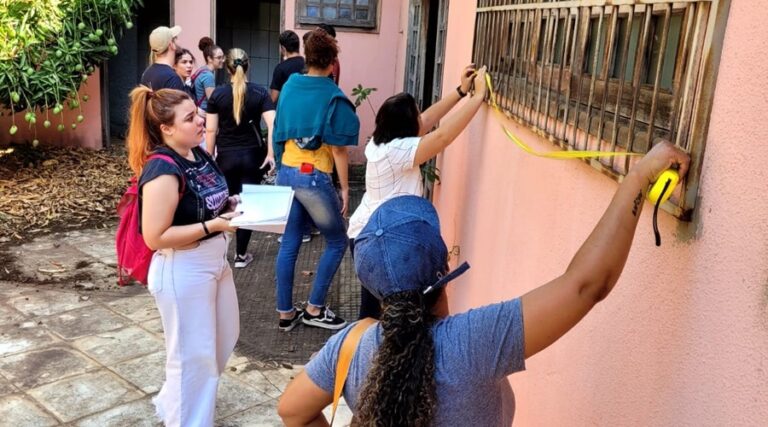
264	207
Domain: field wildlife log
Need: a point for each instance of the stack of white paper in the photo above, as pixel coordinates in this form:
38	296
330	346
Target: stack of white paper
264	207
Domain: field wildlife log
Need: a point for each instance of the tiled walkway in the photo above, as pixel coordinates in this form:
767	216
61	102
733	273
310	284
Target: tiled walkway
76	350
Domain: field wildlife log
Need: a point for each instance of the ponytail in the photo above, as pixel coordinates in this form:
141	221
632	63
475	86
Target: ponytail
139	141
149	110
400	387
237	65
238	93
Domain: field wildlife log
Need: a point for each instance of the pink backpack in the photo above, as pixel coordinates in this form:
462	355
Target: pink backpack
133	255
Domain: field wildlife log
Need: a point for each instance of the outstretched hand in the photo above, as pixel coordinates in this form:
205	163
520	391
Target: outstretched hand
663	156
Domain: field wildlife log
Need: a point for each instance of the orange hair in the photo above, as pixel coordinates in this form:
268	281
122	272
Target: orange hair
149	110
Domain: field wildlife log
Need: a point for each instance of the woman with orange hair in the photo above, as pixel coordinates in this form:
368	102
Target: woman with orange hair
184	211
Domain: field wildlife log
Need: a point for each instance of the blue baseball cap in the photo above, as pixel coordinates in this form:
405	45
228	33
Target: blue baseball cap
400	249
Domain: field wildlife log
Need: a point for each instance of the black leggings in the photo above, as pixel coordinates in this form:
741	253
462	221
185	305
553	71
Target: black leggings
241	166
369	304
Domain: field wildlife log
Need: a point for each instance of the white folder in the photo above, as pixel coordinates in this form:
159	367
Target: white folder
264	207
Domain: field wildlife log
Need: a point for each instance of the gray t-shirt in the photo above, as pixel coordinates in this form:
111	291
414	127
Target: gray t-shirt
474	353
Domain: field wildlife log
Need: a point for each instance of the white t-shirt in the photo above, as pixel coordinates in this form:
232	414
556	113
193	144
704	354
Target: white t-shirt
390	172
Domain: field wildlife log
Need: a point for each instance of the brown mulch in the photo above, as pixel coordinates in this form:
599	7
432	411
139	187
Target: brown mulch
49	189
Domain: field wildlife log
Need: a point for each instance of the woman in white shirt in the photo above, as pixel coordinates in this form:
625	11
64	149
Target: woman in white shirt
400	143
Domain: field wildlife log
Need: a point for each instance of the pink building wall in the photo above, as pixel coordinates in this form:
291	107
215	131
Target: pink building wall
368	59
683	338
87	134
194	17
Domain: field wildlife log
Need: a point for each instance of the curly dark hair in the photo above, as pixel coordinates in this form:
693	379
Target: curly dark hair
400	387
208	47
320	49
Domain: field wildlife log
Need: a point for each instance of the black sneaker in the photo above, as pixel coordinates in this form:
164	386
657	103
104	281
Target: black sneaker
287	325
326	319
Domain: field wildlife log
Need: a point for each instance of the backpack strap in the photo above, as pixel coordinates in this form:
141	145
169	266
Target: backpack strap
195	75
346	354
168	159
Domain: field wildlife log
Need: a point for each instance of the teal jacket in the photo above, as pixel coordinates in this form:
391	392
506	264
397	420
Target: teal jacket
315	110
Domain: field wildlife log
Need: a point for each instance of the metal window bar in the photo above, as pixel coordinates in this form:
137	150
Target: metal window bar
614	75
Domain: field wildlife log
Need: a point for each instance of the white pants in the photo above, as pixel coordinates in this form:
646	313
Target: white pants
195	294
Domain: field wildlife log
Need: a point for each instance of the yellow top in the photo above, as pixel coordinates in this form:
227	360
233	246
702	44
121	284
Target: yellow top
322	158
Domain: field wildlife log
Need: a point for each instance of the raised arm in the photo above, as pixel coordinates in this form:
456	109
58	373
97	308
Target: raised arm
552	309
436	141
438	110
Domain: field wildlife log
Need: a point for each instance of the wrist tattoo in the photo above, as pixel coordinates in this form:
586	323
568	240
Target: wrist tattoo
636	203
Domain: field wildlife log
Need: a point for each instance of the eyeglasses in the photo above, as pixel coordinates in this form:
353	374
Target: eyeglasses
219	57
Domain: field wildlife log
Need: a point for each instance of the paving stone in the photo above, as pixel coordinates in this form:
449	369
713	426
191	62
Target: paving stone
45	303
20	411
146	372
264	415
140	413
110	348
154	326
35	368
83	395
252	376
99	245
9	315
25	337
6	387
281	377
137	308
235	396
11	289
84	321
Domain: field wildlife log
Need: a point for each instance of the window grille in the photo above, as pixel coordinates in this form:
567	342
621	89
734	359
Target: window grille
342	13
611	75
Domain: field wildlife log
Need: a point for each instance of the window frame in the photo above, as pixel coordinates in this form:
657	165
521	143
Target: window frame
508	35
341	24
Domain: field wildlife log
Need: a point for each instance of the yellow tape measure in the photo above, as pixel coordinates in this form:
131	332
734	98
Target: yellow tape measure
552	154
657	195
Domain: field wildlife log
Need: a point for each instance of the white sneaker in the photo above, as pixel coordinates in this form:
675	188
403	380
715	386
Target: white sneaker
304	239
242	261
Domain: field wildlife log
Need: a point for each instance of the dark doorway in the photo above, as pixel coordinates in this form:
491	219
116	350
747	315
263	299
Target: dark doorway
253	26
426	50
123	72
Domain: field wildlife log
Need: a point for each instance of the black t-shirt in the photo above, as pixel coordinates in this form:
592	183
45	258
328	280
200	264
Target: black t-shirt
162	76
284	70
205	189
246	134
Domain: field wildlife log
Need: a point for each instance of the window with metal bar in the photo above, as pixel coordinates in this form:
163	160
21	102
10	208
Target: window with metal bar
339	13
610	75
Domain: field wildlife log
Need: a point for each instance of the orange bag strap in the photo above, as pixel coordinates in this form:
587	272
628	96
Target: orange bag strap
346	353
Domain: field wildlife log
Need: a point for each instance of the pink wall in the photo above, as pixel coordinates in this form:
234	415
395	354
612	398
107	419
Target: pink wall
368	59
194	17
683	339
87	134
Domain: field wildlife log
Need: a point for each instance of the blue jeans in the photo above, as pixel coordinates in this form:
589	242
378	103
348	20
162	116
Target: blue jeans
315	199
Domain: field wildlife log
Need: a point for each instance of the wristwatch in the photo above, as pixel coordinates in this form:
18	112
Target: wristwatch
461	94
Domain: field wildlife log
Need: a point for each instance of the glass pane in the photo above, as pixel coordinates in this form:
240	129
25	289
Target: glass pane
361	14
346	2
329	1
329	12
362	2
345	13
313	12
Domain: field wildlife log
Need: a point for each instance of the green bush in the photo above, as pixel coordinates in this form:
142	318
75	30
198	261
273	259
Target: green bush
48	48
